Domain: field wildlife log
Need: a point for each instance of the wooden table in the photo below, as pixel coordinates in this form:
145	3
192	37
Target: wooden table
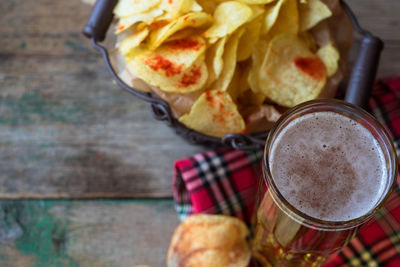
69	135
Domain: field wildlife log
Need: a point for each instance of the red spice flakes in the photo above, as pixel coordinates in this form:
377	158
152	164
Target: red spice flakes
186	43
208	96
121	27
313	67
158	24
192	78
170	1
157	62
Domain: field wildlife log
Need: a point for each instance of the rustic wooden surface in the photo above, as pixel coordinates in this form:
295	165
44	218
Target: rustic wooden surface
65	128
85	233
67	131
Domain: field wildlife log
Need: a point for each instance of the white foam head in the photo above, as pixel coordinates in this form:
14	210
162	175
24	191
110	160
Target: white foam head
328	166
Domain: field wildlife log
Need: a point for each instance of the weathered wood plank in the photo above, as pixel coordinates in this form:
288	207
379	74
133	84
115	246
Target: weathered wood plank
85	233
67	131
379	17
65	128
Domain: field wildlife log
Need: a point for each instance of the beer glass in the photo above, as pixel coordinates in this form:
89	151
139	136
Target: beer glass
285	236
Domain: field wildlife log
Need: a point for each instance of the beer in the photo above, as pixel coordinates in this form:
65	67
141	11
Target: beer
328	166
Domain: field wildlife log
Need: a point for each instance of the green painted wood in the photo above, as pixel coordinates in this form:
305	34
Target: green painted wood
85	233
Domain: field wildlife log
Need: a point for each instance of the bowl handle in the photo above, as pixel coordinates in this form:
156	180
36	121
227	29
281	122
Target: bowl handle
362	77
99	20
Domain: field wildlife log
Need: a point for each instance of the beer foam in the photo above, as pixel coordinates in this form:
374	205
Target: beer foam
328	166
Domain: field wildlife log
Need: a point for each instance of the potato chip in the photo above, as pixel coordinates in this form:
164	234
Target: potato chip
176	66
259	52
234	86
257	10
176	8
249	39
228	17
182	34
210	241
271	15
130	43
291	73
214	59
229	58
249	98
256	2
168	76
126	8
214	113
208	5
312	13
148	17
288	19
193	19
330	56
228	55
309	40
244	76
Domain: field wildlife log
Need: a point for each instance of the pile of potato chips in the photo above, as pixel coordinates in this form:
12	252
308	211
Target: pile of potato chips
235	54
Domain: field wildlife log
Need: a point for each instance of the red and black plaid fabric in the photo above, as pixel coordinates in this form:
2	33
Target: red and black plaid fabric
224	182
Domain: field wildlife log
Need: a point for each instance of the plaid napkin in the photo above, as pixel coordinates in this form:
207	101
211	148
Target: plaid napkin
224	182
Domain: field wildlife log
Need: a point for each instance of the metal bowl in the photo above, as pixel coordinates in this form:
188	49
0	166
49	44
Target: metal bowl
358	87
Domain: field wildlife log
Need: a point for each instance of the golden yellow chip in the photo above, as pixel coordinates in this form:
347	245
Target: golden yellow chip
330	56
185	33
148	17
228	17
249	39
214	113
177	66
229	58
288	19
214	59
209	241
256	2
208	5
176	8
257	10
291	73
312	13
309	40
244	77
271	15
236	54
234	86
126	8
193	19
130	43
259	52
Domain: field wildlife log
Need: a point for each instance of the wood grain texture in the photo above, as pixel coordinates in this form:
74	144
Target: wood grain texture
85	233
66	130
